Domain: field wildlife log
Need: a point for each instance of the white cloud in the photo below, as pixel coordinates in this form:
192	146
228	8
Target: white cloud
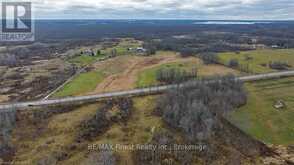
206	9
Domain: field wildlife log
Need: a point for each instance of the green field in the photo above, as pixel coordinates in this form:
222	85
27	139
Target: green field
257	58
85	82
148	76
83	60
260	119
122	47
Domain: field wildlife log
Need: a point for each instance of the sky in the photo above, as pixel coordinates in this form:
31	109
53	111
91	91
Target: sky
165	9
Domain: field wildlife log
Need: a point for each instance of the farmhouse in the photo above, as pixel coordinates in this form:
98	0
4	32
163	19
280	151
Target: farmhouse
141	50
138	49
88	52
280	104
275	46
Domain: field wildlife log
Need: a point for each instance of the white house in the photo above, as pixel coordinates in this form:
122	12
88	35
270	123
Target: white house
280	104
141	50
88	52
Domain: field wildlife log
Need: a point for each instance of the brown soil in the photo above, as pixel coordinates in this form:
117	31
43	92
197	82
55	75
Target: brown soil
4	98
213	69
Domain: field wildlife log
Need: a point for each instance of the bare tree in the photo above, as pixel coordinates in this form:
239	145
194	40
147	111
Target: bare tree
7	124
167	75
233	63
209	57
105	157
195	108
95	125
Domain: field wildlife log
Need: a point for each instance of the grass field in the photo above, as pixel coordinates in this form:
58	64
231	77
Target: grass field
122	47
148	76
84	60
85	82
255	59
260	119
58	132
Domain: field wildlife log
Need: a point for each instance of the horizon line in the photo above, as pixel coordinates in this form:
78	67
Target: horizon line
172	19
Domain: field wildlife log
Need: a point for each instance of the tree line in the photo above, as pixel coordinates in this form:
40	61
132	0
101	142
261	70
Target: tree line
175	75
7	124
195	108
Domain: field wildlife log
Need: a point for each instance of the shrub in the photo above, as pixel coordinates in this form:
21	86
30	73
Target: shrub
7	123
98	52
94	126
151	49
9	60
125	106
105	157
279	65
104	117
233	63
209	58
186	52
47	160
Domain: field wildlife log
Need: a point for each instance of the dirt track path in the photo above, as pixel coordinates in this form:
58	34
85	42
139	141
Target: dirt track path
127	79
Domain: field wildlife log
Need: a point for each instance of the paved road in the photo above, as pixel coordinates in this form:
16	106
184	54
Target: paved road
135	92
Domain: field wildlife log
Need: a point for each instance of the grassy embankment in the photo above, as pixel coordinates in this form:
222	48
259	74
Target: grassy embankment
258	60
260	119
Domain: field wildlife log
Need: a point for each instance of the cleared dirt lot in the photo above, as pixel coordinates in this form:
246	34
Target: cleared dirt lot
130	67
125	69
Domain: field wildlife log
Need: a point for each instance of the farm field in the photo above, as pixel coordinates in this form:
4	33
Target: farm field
83	60
115	71
122	47
128	72
260	119
258	60
83	83
124	70
148	76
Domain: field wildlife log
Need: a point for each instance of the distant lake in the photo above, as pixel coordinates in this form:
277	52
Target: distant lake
231	22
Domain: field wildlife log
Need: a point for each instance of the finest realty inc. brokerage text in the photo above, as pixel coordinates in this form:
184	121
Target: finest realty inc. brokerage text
150	147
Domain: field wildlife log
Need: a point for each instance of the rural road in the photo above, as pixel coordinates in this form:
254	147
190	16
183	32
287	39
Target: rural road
135	92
